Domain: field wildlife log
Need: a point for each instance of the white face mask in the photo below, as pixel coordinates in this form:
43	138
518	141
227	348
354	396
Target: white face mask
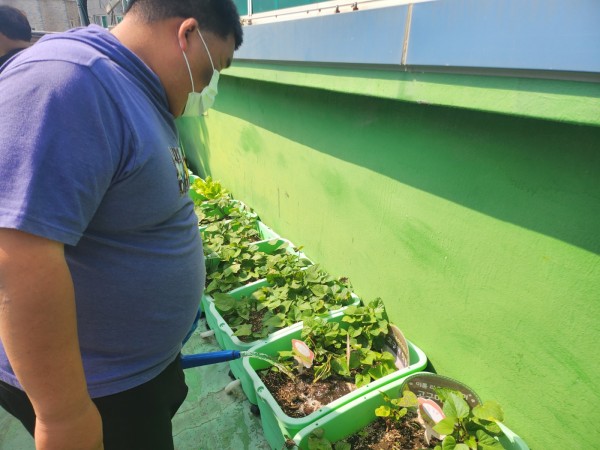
200	102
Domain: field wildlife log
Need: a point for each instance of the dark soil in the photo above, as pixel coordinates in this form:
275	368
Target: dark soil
301	397
386	434
256	320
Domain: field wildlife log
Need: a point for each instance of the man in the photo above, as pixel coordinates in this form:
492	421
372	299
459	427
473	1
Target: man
15	32
101	263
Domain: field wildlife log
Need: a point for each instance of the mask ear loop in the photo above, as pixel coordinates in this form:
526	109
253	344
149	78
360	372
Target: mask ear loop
189	70
206	47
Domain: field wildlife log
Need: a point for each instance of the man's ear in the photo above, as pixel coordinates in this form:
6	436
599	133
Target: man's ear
186	27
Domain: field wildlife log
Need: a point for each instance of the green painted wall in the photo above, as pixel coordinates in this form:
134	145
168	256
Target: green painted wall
481	231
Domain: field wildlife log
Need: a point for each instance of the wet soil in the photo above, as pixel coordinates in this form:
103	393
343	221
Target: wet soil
301	397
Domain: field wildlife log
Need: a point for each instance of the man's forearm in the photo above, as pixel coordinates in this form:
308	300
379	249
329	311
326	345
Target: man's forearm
38	325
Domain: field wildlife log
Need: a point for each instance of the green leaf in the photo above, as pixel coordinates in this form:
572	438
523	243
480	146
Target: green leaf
322	372
455	405
224	302
491	427
312	274
383	411
461	447
408	399
243	330
350	311
339	365
355	332
487	442
361	380
275	321
490	410
342	446
318	432
355	358
234	268
399	413
316	442
378	371
320	290
445	426
471	442
369	358
449	443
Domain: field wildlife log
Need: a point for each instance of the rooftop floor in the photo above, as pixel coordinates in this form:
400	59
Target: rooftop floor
208	419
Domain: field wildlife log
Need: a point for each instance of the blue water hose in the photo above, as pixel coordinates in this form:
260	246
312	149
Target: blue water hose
194	326
203	359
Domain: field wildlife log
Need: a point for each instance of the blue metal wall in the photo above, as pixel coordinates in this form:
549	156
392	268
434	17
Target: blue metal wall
546	35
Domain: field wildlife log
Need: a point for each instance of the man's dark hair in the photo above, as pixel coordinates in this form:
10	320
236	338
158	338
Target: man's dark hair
14	24
218	16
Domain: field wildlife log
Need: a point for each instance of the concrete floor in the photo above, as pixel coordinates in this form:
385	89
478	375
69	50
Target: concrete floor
209	419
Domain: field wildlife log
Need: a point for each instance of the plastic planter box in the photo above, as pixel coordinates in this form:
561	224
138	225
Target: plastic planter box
266	232
357	414
227	340
277	425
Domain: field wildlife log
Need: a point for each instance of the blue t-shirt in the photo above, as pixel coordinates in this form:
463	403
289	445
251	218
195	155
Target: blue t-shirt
89	156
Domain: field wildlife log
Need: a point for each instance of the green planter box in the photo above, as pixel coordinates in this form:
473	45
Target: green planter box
226	339
357	414
277	425
266	232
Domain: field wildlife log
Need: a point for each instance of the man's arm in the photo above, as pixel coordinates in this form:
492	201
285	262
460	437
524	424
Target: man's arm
38	328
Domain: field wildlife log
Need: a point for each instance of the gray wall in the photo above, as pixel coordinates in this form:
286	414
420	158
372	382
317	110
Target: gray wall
48	15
